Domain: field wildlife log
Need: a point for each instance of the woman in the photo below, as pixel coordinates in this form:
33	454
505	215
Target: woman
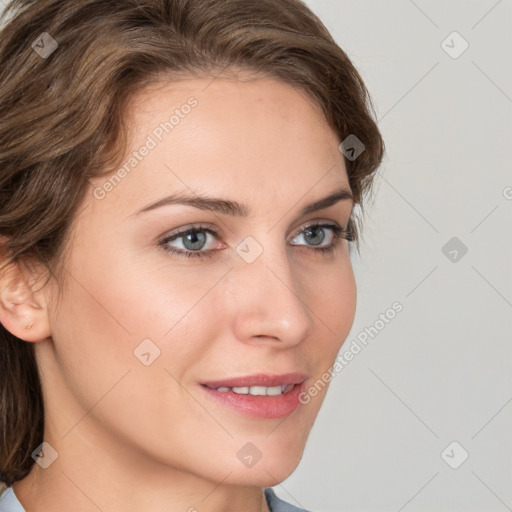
178	184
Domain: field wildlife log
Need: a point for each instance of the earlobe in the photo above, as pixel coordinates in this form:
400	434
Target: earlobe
23	309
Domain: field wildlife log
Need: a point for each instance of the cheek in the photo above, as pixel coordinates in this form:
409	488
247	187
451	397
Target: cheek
97	328
117	304
333	302
174	306
332	299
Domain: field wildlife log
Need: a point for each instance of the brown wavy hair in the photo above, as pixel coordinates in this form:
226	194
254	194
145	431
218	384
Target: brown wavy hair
61	123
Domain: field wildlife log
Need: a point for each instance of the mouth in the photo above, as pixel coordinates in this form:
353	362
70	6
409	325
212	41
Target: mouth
255	390
259	379
261	396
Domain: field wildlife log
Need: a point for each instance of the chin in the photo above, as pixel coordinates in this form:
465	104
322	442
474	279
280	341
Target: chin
261	478
267	471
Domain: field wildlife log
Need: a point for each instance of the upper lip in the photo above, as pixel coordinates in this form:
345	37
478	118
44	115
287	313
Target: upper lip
259	379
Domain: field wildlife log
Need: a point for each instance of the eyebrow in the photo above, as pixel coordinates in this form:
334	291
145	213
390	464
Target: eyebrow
234	208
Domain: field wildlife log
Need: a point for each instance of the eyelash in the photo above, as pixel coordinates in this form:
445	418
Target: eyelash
339	234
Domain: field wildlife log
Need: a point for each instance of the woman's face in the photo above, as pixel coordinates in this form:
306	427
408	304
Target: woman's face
139	330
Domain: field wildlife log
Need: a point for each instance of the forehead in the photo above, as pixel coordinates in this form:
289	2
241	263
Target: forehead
247	103
255	138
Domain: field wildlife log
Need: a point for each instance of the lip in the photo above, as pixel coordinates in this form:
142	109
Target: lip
259	379
259	406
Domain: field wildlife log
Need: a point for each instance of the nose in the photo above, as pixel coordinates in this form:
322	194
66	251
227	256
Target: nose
268	302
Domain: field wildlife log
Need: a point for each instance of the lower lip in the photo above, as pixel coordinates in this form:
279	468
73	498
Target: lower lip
260	406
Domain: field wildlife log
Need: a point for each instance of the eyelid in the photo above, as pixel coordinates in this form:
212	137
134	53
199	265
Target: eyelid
218	232
190	227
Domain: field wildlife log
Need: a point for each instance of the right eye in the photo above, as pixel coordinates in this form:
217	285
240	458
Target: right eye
193	241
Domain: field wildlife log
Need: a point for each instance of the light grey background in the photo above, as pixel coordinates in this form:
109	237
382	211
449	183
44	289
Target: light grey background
441	370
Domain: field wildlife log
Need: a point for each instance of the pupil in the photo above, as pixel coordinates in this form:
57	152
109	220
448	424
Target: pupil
193	239
315	240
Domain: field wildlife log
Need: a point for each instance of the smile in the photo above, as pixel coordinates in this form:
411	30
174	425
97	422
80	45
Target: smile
257	390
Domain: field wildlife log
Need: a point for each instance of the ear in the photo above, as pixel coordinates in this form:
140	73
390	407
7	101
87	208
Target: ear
23	307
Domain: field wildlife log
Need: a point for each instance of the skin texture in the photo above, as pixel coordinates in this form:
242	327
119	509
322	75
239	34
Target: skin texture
132	437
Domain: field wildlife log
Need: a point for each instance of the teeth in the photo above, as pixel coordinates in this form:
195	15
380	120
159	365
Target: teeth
258	390
240	391
275	390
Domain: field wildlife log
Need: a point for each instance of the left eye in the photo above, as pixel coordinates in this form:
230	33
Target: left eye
315	234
